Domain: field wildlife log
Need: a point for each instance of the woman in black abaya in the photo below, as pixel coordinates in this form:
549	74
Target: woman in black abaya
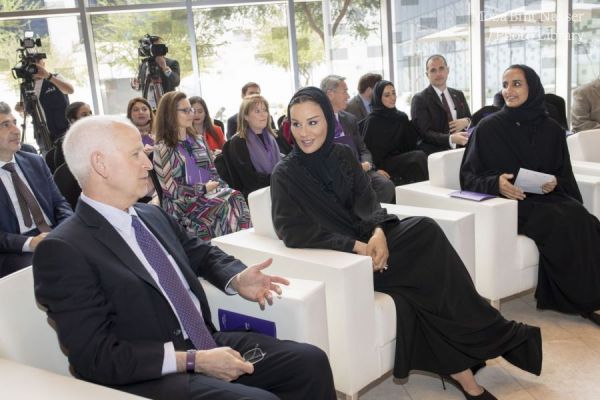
392	139
321	199
522	135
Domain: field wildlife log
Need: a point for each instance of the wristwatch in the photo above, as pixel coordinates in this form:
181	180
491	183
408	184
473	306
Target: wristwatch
50	75
190	361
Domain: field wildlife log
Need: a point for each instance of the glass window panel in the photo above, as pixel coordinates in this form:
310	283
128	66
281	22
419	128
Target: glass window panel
585	42
23	5
243	44
116	37
108	3
519	32
355	38
62	43
422	29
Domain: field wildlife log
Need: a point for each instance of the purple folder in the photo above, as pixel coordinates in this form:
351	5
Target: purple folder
232	321
473	196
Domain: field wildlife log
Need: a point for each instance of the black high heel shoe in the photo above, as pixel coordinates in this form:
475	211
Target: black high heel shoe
483	396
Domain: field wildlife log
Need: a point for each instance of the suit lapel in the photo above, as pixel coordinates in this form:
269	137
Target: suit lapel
112	240
435	99
7	204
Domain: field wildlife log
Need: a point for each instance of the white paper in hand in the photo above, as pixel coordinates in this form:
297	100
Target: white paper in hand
531	181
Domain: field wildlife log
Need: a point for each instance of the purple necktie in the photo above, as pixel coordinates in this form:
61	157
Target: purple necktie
339	131
169	280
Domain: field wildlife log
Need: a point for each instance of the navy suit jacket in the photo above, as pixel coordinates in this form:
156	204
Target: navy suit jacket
110	315
430	119
45	191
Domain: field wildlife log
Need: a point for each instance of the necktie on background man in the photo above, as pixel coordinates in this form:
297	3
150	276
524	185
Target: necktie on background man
446	107
339	131
27	202
188	314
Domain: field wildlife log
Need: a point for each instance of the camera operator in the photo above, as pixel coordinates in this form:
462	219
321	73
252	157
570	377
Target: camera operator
166	73
52	90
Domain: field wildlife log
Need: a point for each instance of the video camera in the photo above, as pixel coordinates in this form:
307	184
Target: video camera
149	49
28	57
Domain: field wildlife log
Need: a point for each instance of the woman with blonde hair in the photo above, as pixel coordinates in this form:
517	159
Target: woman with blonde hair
192	191
251	154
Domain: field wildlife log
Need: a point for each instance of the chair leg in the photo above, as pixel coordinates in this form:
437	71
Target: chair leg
496	304
344	396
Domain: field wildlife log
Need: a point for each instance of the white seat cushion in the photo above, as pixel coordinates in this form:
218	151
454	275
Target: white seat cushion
385	319
527	252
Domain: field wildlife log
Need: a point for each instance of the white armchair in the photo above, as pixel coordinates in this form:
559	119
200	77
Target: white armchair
361	322
505	262
584	149
29	344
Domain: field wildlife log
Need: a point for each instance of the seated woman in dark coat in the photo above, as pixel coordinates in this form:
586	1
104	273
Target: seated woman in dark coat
321	200
522	135
392	139
253	151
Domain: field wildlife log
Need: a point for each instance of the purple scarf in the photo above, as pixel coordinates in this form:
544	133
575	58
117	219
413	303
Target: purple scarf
194	174
264	152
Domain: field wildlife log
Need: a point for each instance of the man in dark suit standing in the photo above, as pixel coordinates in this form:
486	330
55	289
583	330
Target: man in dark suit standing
347	133
441	114
248	89
360	105
120	283
30	203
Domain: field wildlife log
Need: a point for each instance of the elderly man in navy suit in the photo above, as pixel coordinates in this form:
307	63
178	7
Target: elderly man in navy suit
30	203
120	281
440	114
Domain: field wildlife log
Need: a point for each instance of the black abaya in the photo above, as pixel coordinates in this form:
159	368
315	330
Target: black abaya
567	236
443	326
392	140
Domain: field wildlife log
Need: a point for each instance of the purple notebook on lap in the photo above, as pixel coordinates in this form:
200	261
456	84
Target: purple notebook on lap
473	196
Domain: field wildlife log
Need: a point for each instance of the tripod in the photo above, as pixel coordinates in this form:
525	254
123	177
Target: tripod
152	77
32	106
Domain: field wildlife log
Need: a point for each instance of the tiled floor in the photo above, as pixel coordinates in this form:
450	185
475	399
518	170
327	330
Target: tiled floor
570	371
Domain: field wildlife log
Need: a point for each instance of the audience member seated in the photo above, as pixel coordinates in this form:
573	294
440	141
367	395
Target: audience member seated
193	193
392	138
119	282
140	113
522	135
248	89
321	199
251	154
440	114
73	112
203	123
361	105
585	110
347	132
31	203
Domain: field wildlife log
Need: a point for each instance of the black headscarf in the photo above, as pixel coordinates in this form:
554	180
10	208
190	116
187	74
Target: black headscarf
533	111
320	164
377	106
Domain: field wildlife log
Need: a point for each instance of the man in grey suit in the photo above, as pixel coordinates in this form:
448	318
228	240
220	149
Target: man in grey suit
120	281
585	111
348	133
360	105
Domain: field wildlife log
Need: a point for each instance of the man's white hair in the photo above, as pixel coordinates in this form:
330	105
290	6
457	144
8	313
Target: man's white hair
87	135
